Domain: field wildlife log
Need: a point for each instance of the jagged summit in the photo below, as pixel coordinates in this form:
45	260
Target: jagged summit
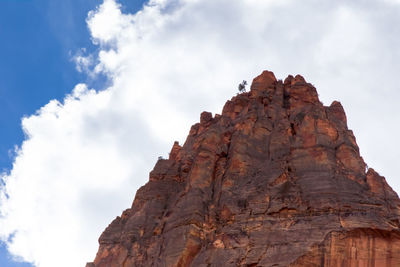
275	180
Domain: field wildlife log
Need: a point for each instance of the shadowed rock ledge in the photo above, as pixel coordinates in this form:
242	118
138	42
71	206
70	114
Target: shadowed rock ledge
275	180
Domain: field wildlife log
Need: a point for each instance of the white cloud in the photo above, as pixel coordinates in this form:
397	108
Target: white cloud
83	159
83	63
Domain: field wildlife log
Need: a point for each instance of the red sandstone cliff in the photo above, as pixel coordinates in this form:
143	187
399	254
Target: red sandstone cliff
276	180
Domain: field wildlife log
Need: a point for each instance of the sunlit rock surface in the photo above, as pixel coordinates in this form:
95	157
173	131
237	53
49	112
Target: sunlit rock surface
275	180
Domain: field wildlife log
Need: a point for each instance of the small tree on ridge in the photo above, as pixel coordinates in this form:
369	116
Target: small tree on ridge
242	86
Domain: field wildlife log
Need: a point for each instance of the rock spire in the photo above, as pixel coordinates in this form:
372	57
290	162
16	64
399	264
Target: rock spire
275	180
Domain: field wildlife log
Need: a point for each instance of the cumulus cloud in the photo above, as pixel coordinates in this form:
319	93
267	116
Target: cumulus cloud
84	158
84	63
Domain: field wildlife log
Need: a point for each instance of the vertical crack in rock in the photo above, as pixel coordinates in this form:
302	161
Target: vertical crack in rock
275	180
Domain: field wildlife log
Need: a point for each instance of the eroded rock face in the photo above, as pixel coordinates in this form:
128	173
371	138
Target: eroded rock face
275	180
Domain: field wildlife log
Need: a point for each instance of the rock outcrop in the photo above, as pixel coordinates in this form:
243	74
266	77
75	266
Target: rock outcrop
275	180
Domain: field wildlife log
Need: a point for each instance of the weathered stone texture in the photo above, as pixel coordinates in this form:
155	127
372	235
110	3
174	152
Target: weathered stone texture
275	180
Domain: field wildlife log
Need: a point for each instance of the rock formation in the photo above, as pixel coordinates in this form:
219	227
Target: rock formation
275	180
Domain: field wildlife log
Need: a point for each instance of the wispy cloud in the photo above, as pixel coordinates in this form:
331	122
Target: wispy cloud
83	159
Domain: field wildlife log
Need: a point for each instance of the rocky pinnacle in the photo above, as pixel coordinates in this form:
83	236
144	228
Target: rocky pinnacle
275	180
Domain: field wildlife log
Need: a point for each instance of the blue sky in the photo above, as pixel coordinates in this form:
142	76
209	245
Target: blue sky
37	41
154	72
35	59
